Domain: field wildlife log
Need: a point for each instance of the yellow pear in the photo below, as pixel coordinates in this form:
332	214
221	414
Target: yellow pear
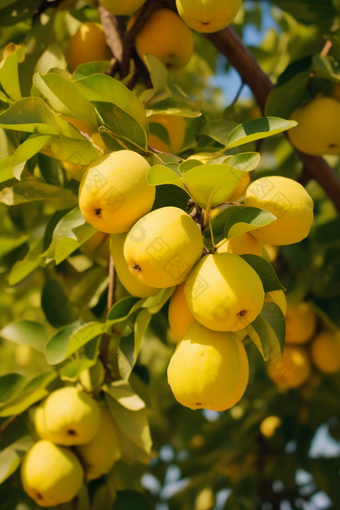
50	474
122	7
325	352
241	245
166	36
300	323
269	425
71	417
99	455
278	297
180	317
241	188
132	284
289	202
114	192
293	370
209	15
175	126
241	384
39	421
335	94
163	247
88	44
204	368
318	131
224	293
92	378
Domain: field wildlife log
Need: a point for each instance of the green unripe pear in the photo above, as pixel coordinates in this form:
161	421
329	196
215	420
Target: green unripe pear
224	293
209	15
289	202
51	474
204	369
132	284
92	378
122	7
162	247
71	417
114	192
99	455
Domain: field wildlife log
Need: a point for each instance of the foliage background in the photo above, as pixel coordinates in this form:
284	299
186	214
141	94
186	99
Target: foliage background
206	460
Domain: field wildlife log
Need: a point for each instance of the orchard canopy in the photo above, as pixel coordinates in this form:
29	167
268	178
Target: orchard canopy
170	254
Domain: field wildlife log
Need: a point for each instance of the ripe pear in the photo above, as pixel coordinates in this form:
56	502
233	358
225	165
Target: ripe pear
167	37
224	293
300	323
175	127
88	44
241	245
325	352
180	317
208	16
114	192
289	202
293	370
204	368
51	474
162	247
99	455
242	382
318	130
92	378
39	420
71	417
132	284
269	425
278	297
122	7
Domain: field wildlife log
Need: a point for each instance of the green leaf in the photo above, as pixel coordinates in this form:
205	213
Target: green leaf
9	76
240	219
27	150
326	67
34	390
124	308
260	332
32	191
72	370
131	500
53	57
257	129
6	172
130	345
11	457
26	332
165	174
32	260
265	271
65	97
158	73
160	132
175	105
85	70
133	424
125	396
55	304
104	89
246	161
155	303
70	339
32	115
8	244
10	385
218	130
70	233
283	100
273	315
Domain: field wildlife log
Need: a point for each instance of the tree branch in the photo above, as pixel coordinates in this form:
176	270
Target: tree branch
232	47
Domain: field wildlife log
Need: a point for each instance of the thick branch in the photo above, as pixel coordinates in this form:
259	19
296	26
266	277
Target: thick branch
232	47
114	30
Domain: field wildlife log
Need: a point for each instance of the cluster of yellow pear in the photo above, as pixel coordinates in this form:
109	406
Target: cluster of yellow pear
295	368
317	132
78	442
165	34
217	294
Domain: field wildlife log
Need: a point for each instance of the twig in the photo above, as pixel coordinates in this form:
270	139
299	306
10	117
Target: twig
326	48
